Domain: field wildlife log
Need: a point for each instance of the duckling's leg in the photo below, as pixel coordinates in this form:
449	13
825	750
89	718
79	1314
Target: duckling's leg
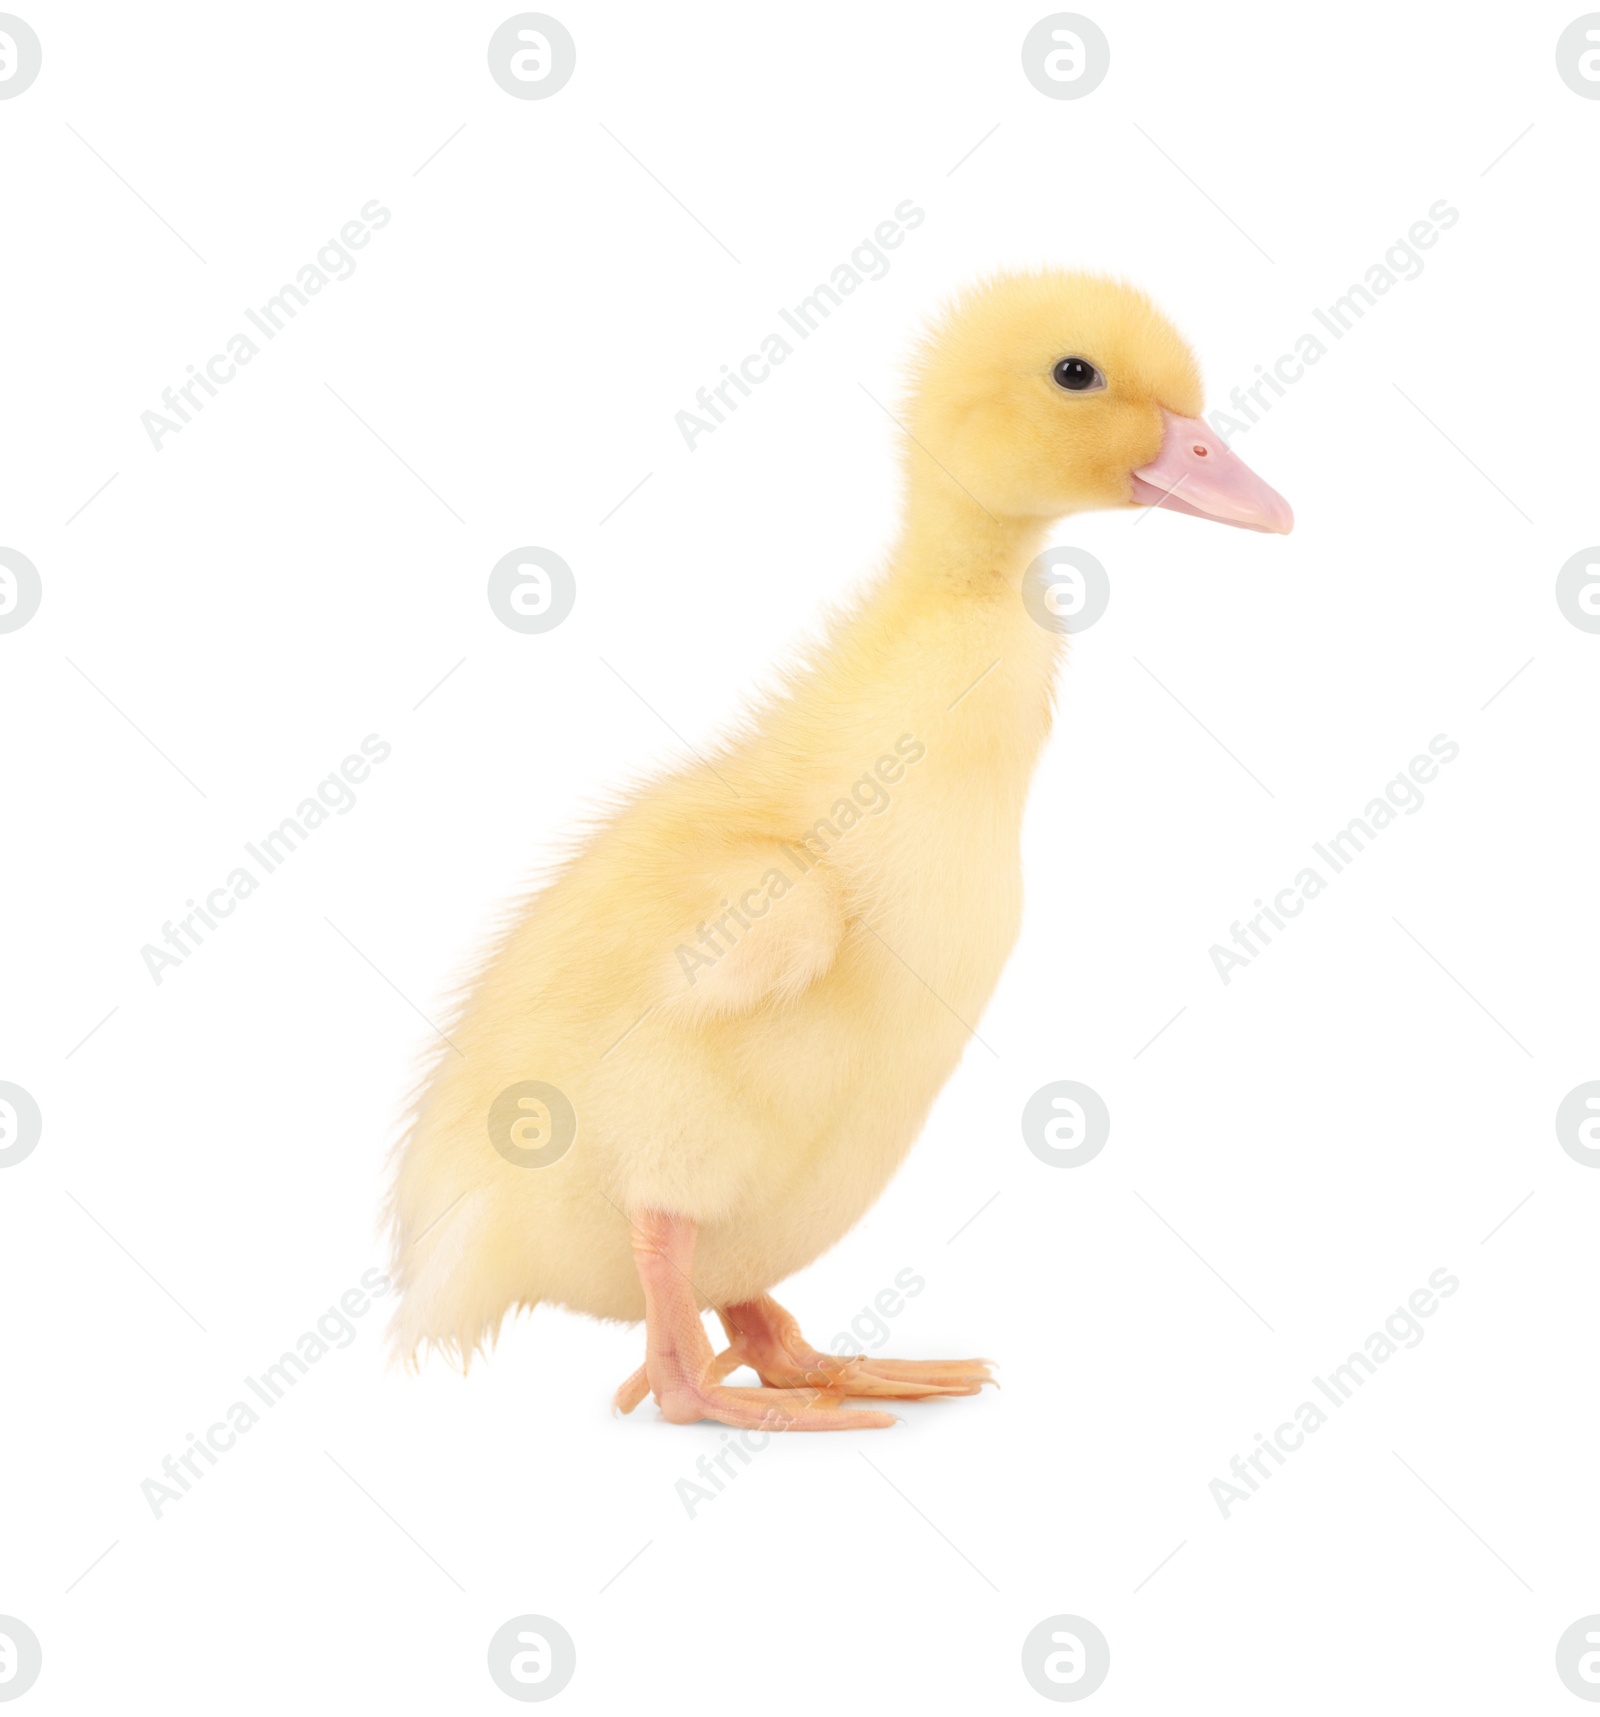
765	1337
681	1370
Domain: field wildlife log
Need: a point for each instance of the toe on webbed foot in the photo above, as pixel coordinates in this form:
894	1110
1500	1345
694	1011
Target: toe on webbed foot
917	1379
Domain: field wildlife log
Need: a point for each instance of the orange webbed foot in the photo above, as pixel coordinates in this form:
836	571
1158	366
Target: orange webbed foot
683	1373
767	1339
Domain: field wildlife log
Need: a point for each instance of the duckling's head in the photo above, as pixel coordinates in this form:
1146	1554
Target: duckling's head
1048	393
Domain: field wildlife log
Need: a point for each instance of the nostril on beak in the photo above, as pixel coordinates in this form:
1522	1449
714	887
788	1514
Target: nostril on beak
1200	450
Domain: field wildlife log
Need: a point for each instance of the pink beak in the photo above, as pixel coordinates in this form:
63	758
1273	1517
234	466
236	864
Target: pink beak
1195	473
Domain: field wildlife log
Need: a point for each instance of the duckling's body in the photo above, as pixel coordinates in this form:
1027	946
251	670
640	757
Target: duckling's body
753	979
774	1126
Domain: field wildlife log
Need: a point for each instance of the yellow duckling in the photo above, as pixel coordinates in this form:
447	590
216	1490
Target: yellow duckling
694	1059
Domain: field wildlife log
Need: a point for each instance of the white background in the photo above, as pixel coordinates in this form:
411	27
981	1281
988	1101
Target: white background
274	584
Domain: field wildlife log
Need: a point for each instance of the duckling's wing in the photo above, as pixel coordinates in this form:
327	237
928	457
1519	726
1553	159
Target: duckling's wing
765	925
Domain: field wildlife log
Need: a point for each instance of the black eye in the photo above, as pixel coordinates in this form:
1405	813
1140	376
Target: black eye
1077	375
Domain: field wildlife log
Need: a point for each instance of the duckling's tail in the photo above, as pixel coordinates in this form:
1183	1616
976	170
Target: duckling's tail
445	1303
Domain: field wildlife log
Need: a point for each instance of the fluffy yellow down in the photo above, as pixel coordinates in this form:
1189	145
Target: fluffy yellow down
753	976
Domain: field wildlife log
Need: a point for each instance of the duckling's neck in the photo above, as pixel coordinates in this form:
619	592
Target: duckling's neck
941	651
970	658
952	547
944	646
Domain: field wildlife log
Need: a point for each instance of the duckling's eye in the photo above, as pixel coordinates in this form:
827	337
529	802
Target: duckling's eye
1077	375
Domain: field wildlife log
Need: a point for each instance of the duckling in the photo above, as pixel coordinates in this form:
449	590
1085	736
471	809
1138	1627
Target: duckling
694	1059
